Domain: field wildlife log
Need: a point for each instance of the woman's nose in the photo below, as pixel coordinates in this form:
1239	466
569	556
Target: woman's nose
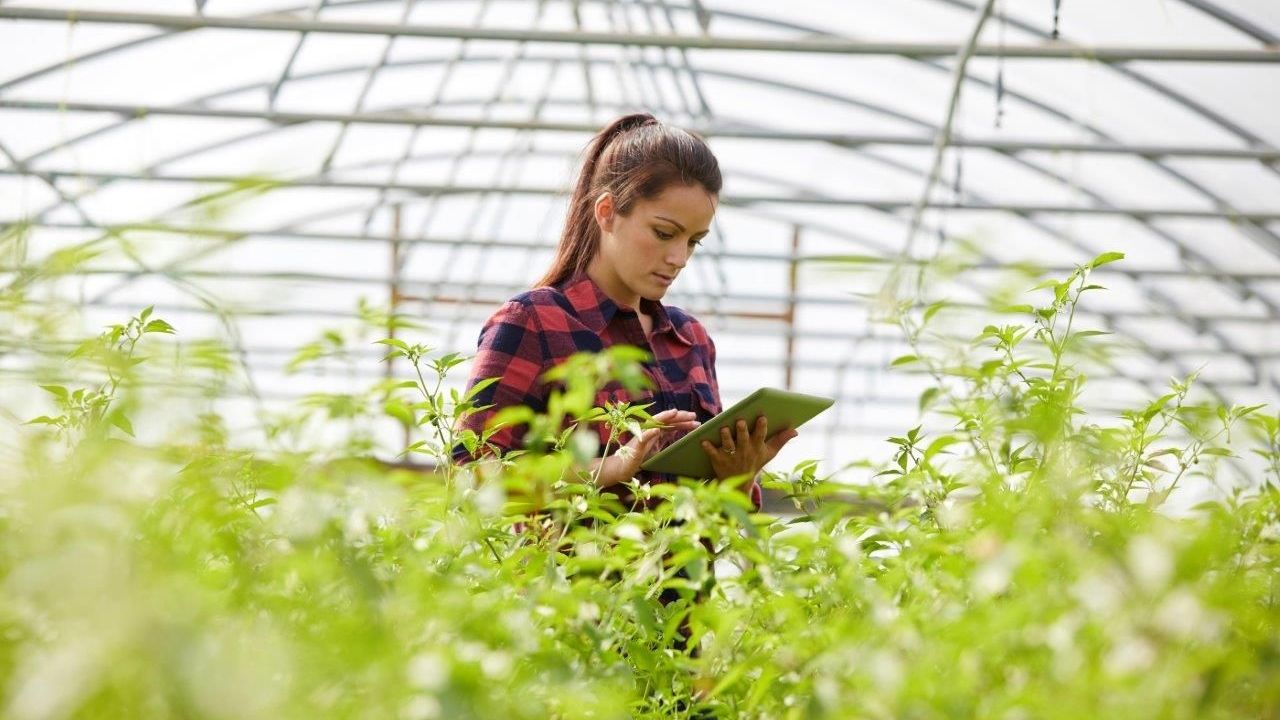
677	258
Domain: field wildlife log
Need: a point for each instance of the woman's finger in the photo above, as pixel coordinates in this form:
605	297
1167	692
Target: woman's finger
744	435
782	437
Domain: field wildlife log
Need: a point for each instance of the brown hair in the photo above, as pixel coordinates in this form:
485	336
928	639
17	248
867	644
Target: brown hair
635	157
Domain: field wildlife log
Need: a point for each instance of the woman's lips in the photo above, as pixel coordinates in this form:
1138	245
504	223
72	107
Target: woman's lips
663	279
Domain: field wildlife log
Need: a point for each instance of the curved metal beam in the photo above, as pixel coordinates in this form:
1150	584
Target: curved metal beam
1196	327
839	46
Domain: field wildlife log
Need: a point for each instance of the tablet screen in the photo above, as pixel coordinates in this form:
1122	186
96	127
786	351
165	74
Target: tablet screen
782	408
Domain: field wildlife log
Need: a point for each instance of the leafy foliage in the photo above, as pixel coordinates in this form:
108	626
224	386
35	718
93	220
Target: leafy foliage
1020	564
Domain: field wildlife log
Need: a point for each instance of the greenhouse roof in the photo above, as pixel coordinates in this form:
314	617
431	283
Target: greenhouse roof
279	161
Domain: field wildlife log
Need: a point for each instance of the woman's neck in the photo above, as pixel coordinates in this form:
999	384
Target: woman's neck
612	286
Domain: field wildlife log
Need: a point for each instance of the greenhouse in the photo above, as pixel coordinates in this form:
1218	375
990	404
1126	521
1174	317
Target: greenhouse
1028	251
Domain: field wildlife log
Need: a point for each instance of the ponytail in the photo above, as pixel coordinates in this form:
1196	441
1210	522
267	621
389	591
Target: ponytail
635	157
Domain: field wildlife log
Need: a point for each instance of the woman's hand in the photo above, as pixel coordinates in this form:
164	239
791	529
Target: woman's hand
749	451
625	463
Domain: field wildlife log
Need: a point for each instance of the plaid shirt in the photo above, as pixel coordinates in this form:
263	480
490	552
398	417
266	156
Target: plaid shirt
540	328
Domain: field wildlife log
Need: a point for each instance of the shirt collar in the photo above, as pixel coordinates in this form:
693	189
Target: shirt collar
595	309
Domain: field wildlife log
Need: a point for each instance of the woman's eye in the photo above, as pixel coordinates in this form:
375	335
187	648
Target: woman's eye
663	236
695	243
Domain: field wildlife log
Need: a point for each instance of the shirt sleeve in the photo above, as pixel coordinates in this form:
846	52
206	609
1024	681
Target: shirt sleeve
754	491
509	348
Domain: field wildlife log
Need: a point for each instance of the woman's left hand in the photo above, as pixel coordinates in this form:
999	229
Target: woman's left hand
746	451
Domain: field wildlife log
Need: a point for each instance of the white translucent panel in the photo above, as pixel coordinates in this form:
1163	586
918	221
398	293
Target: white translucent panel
32	133
1096	97
1144	247
1227	246
159	72
853	76
1259	12
1190	292
1246	185
20	196
1217	86
45	48
1102	22
1249	337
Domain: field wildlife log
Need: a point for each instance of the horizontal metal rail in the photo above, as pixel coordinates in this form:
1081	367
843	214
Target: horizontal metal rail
274	360
823	45
737	200
850	261
496	293
888	344
280	117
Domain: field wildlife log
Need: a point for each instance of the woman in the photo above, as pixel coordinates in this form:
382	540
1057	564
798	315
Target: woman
644	199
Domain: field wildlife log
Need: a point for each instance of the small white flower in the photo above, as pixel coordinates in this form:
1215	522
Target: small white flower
886	670
496	665
356	528
629	531
1099	593
994	575
428	671
489	499
1151	562
1130	655
1183	616
849	547
421	707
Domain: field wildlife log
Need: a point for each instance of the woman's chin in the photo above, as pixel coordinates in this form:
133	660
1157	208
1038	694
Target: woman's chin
658	286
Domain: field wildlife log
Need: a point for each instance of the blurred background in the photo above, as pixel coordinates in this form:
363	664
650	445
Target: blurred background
258	168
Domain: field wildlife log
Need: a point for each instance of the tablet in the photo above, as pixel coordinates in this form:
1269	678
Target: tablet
782	408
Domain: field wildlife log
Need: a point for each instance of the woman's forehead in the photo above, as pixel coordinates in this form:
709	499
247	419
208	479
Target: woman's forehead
687	205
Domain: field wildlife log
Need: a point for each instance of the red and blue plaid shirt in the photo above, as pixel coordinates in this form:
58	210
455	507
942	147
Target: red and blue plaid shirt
539	328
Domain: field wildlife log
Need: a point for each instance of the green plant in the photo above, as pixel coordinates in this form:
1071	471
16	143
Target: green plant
1022	562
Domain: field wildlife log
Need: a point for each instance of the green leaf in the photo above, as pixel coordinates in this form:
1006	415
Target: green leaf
731	677
1015	309
399	411
1104	258
1242	411
510	415
903	360
933	309
158	326
927	397
939	444
119	420
479	386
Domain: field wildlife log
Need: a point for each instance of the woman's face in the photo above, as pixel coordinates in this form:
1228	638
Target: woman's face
642	253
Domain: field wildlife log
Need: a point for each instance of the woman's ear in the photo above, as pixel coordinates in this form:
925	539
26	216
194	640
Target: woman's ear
604	211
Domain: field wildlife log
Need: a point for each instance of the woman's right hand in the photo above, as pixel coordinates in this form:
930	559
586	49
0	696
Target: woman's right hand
625	463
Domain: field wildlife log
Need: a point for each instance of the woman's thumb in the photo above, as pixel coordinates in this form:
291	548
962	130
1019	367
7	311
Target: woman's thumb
645	440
